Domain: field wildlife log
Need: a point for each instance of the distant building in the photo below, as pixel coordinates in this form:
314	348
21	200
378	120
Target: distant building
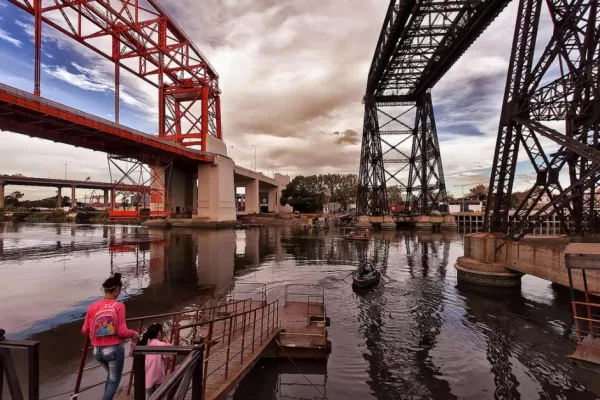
465	205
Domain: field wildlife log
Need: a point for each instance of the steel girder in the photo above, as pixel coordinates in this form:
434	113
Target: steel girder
404	154
426	188
419	41
572	54
140	37
372	195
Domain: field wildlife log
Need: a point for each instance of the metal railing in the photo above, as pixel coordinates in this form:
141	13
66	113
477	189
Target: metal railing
305	291
233	288
177	385
229	339
8	368
314	297
201	314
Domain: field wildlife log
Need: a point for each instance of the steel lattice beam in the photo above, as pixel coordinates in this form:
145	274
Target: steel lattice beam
573	54
418	43
139	36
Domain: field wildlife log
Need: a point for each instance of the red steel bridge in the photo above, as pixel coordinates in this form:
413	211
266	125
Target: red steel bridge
550	111
146	42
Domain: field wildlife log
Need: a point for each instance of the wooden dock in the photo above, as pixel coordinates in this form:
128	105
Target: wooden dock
237	336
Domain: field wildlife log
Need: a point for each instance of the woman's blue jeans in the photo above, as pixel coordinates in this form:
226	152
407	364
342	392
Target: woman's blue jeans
112	359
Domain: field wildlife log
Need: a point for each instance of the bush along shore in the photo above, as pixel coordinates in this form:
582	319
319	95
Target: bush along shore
53	216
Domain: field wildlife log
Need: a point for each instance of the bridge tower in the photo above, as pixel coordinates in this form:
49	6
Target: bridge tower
550	111
418	44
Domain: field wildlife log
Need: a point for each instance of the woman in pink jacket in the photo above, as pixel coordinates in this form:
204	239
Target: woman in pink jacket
105	324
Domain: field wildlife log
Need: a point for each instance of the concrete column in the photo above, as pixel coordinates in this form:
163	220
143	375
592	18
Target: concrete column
274	200
195	194
216	196
59	198
73	197
106	198
252	197
2	194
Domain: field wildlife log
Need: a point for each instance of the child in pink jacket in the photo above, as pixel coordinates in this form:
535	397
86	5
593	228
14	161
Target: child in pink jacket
155	364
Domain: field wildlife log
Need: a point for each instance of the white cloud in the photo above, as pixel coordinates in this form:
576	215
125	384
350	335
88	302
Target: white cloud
293	69
7	37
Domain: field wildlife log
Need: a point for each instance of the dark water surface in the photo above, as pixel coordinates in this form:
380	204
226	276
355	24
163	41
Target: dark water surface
417	336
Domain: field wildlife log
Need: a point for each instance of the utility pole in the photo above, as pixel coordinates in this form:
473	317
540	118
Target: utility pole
272	159
65	172
463	196
254	147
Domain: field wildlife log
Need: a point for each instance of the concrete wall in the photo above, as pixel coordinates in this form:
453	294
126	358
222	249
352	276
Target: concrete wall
252	197
2	195
542	257
182	188
216	145
177	190
216	193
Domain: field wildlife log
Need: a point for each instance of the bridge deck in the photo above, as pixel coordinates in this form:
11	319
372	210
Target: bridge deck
24	113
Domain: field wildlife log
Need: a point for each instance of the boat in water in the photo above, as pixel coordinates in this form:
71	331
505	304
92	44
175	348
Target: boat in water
365	276
359	238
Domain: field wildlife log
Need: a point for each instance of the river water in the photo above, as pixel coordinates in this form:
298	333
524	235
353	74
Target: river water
419	335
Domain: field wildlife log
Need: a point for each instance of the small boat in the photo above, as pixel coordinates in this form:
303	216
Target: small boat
359	238
368	278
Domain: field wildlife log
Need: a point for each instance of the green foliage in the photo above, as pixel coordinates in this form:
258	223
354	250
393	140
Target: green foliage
13	199
309	193
395	195
479	190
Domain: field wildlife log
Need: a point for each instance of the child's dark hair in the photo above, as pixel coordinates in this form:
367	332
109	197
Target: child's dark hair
112	283
151	333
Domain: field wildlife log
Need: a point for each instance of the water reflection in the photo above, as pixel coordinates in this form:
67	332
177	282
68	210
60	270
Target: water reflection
418	334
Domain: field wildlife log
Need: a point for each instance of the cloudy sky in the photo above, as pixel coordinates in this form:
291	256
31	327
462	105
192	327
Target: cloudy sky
293	74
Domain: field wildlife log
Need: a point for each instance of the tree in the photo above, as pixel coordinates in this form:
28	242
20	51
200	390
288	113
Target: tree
394	195
301	194
477	191
125	203
518	197
310	193
13	199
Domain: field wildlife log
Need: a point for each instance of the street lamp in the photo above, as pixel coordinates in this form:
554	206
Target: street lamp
254	147
65	171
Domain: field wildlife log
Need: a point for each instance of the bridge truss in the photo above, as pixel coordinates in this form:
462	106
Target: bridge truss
551	111
138	36
420	41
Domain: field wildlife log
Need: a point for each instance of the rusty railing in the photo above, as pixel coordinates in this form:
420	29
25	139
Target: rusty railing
201	314
233	338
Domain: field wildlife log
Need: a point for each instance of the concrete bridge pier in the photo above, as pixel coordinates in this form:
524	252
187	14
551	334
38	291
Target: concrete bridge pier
73	197
105	198
59	198
216	194
182	186
489	261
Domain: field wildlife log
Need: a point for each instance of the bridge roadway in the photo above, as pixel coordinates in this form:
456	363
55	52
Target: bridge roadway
60	183
212	200
24	113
